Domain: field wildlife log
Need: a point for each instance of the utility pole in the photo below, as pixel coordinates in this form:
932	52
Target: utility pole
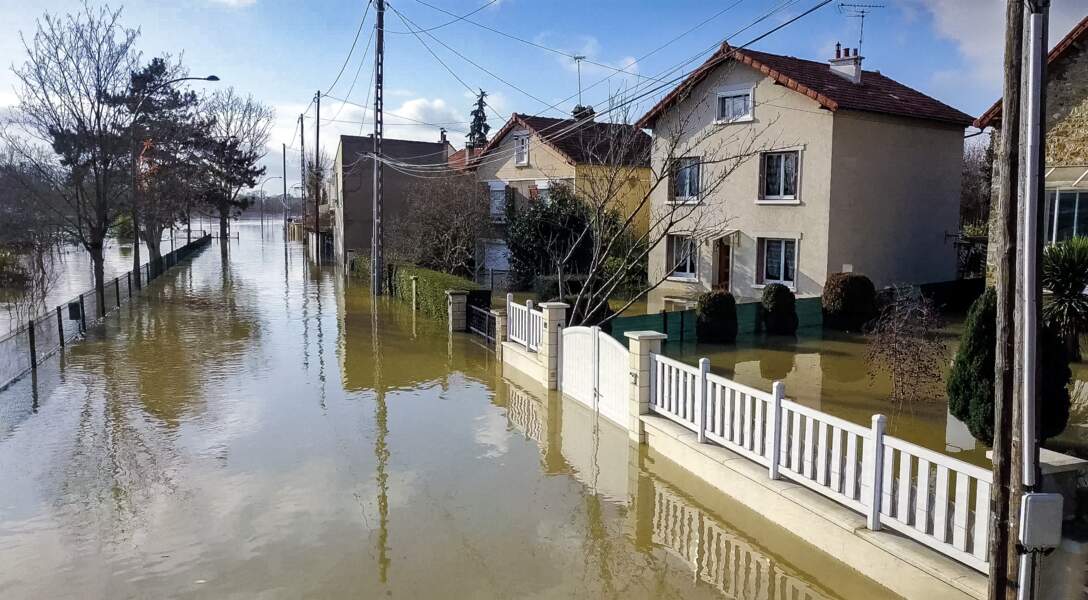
302	156
284	193
1002	550
317	180
376	233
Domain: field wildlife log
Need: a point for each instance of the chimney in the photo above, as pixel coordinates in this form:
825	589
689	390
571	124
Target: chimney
846	64
583	112
442	136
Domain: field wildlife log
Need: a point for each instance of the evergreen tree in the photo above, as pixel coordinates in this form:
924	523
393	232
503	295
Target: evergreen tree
477	131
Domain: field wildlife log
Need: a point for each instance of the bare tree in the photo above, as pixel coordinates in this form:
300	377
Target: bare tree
624	225
905	344
76	65
241	127
444	220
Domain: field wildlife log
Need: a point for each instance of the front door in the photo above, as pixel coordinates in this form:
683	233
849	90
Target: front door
724	256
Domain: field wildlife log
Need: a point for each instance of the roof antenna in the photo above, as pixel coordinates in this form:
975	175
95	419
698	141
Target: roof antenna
859	12
578	58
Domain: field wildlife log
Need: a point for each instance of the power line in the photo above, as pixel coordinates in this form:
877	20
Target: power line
392	114
458	18
358	70
350	50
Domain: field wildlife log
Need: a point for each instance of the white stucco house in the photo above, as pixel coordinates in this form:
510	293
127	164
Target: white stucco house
844	170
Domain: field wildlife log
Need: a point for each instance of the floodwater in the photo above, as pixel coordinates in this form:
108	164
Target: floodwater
261	428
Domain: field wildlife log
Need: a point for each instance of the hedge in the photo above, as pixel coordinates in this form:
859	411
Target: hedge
779	310
431	286
716	315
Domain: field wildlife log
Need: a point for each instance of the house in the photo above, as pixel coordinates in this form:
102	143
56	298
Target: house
1065	213
841	169
530	154
352	187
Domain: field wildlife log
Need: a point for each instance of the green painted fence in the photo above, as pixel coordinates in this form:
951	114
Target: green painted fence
680	325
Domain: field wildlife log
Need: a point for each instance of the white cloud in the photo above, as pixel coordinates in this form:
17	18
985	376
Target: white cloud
234	3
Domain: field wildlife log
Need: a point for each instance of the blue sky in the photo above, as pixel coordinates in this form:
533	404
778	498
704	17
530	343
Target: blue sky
282	51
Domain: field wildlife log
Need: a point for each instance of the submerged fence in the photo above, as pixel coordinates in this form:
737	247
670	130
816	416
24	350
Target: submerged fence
42	336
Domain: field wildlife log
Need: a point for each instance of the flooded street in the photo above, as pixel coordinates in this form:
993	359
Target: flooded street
261	428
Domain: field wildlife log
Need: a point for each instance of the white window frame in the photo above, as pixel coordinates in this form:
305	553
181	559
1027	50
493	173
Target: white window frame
693	257
1052	212
496	186
782	268
794	198
733	92
521	149
698	181
542	189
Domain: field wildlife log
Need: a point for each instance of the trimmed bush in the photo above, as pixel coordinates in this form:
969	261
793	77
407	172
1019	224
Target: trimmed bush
848	301
971	381
779	310
431	286
716	317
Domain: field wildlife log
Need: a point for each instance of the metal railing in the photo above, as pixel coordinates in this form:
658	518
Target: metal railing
481	322
48	332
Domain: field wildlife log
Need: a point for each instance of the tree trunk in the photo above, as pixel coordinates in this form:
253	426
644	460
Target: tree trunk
153	240
224	214
98	262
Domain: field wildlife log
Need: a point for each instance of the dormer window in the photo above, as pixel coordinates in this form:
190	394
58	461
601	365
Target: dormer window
734	105
521	149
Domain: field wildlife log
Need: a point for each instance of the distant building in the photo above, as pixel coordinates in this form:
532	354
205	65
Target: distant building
352	187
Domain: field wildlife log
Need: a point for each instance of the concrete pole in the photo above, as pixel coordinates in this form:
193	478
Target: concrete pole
555	317
641	344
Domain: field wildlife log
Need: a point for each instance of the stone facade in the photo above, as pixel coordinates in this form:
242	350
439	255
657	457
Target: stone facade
1067	109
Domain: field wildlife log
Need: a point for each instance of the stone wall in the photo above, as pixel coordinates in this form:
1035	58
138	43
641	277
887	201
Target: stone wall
1067	110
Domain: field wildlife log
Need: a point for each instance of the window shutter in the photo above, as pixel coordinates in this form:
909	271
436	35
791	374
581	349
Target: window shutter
670	182
762	183
760	260
534	193
511	197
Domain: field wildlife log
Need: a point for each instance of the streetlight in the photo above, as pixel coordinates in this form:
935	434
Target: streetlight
132	165
266	180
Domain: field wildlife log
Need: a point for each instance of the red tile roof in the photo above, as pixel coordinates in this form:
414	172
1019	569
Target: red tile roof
583	141
463	158
876	92
1073	39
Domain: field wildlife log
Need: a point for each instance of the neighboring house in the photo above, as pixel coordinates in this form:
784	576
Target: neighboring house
1065	212
352	188
530	154
861	173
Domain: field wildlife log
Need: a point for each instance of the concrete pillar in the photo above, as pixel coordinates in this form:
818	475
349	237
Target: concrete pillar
500	332
415	294
640	345
457	307
555	317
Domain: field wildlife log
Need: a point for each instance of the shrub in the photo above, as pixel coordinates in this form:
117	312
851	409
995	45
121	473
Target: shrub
716	317
1065	277
13	273
545	232
971	381
547	286
779	310
431	286
848	301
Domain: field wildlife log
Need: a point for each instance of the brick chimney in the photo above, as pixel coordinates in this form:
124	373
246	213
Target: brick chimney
846	64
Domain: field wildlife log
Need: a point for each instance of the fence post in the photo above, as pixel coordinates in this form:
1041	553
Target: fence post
500	332
774	426
529	325
415	285
596	365
457	306
60	326
640	345
555	315
117	290
876	473
82	315
700	398
559	361
33	350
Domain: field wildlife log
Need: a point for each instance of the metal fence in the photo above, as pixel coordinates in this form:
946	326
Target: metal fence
42	336
481	322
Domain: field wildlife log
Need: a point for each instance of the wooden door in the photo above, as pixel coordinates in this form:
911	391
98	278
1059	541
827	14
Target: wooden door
725	260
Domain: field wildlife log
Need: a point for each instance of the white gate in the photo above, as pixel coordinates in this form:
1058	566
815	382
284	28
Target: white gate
594	370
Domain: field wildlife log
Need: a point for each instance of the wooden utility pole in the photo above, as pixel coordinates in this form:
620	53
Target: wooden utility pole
317	171
285	205
302	183
376	233
1002	550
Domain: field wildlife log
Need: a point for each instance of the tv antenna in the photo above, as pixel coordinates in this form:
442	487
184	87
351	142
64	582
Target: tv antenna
859	12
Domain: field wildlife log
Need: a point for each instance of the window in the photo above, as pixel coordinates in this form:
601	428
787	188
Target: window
734	106
686	180
681	255
497	194
543	194
521	149
1066	215
779	175
779	261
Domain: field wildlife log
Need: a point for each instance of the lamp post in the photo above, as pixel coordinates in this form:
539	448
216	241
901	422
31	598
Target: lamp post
266	180
132	165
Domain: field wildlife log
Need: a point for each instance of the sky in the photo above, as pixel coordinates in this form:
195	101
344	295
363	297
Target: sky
283	52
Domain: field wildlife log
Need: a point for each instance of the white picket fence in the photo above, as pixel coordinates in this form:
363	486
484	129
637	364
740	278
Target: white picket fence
935	499
525	325
594	370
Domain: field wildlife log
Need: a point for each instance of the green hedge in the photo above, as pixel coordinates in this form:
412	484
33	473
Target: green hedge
431	286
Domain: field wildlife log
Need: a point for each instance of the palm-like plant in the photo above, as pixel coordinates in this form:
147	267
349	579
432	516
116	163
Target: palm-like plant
1065	278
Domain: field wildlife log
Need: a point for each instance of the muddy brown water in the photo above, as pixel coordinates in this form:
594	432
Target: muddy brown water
263	428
